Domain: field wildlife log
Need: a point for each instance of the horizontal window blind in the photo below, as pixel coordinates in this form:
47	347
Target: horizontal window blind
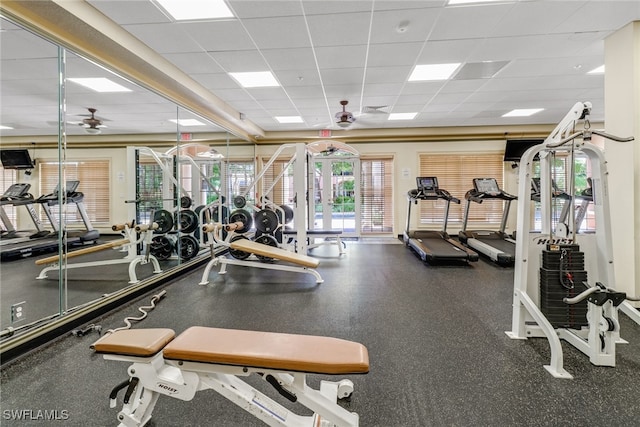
283	191
376	194
95	184
455	173
8	178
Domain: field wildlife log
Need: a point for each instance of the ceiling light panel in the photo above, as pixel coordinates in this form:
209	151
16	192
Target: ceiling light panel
402	116
289	119
99	84
599	70
429	72
187	122
522	112
189	10
255	79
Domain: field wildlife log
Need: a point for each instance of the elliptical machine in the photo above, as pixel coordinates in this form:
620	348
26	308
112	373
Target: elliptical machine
555	270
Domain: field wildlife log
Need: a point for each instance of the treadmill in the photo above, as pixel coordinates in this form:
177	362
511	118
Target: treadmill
497	245
562	226
434	246
18	195
50	242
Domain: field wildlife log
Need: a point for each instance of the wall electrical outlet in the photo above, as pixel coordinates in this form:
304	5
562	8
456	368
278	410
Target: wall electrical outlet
17	312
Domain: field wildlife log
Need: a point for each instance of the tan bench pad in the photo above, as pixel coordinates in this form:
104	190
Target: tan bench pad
134	342
247	245
269	350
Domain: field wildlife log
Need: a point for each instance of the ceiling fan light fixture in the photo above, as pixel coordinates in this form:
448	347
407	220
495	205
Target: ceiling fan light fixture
93	131
343	124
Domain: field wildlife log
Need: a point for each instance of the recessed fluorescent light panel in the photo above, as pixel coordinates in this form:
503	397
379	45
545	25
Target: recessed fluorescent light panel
599	70
523	112
402	116
187	122
256	79
190	10
289	119
100	84
433	72
5	127
457	2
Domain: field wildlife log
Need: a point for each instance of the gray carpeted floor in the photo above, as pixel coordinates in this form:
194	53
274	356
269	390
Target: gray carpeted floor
439	355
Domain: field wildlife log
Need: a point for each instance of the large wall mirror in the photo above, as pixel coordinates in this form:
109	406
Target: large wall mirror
118	182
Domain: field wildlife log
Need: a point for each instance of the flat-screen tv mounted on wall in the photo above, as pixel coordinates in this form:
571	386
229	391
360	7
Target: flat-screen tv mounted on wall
16	159
515	148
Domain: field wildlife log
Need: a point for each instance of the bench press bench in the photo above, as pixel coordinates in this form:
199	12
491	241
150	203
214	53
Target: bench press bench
203	358
334	235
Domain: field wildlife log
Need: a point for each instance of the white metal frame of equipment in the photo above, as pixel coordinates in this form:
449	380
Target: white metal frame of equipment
597	340
128	244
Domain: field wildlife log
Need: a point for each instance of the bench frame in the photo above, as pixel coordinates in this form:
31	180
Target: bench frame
152	375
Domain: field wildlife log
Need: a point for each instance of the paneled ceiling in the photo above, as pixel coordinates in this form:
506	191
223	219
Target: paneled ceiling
363	51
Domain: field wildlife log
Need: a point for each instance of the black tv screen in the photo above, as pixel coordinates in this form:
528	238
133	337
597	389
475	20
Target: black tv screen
515	148
16	159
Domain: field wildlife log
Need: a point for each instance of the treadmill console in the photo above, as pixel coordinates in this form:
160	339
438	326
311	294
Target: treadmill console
16	190
428	185
486	185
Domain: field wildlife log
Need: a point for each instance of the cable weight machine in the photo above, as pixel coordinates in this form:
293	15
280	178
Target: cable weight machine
555	270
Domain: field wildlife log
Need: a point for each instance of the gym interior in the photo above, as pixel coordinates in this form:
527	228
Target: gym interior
349	243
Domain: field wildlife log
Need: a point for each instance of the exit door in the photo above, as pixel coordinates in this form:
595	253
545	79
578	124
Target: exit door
335	204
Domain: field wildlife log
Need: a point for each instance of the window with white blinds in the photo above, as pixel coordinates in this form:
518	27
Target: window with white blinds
282	189
455	173
376	191
95	184
8	178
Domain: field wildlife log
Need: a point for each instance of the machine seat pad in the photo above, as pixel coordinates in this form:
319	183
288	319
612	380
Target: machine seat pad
134	342
269	350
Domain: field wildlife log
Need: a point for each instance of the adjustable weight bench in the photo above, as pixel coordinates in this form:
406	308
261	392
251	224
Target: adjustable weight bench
329	237
303	263
203	358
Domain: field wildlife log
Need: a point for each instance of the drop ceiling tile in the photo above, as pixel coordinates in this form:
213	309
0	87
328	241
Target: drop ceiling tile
403	25
216	36
287	59
468	22
534	17
303	78
342	76
240	61
600	16
448	51
345	29
388	55
245	9
308	94
341	57
278	33
336	8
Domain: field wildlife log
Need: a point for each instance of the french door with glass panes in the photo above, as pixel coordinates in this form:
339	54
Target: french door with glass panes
334	200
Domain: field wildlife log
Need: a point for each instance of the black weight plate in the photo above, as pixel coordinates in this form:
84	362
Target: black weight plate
185	202
188	221
288	214
266	221
161	247
269	240
219	218
164	219
239	202
237	254
243	216
189	247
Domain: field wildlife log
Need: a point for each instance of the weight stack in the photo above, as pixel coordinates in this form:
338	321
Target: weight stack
553	289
